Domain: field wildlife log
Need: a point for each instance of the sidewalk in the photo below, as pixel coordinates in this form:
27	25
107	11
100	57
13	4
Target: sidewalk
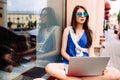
112	48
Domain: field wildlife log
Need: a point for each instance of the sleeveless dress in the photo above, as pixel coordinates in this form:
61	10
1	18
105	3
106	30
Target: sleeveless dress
48	45
83	42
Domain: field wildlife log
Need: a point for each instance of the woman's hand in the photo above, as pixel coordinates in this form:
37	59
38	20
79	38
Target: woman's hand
33	57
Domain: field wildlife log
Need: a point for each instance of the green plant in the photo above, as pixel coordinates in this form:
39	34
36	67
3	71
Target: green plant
118	17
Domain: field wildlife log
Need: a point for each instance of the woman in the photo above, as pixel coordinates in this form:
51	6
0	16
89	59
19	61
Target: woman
48	43
83	35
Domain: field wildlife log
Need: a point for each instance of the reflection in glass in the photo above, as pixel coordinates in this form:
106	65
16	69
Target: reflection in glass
49	36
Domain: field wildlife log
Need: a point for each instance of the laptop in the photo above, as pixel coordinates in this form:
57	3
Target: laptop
86	66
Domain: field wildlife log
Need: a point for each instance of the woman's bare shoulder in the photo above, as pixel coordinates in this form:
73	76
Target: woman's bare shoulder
66	31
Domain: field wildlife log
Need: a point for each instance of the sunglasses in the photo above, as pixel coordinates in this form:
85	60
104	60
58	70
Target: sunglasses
43	15
79	14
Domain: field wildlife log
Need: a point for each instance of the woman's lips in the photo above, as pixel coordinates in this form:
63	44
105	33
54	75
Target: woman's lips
81	19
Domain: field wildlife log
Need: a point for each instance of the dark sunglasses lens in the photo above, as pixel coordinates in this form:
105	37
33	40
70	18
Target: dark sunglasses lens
85	14
79	14
42	15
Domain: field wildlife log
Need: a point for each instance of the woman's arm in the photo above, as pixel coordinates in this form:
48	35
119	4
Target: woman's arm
91	48
91	51
64	44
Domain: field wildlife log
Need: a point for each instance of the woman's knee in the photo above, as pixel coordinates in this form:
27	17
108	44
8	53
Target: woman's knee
56	70
49	67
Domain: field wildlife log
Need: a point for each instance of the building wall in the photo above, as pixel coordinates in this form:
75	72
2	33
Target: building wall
3	11
23	18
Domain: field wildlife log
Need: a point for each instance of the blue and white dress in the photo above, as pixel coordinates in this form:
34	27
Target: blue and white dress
83	43
46	43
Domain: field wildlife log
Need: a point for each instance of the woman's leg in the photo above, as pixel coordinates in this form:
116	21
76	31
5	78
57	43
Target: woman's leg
109	74
57	70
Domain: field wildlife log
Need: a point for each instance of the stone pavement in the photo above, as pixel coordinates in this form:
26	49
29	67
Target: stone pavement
112	48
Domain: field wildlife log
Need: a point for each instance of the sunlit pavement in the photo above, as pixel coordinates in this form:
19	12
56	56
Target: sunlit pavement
112	48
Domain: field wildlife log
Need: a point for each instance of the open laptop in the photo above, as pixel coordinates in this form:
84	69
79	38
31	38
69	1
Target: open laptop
86	66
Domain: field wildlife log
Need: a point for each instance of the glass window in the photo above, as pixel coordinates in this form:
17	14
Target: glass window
32	37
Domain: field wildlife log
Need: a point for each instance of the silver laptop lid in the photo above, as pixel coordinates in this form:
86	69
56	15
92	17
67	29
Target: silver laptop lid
87	66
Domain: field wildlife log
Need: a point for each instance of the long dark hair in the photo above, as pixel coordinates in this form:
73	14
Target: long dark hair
51	17
85	24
